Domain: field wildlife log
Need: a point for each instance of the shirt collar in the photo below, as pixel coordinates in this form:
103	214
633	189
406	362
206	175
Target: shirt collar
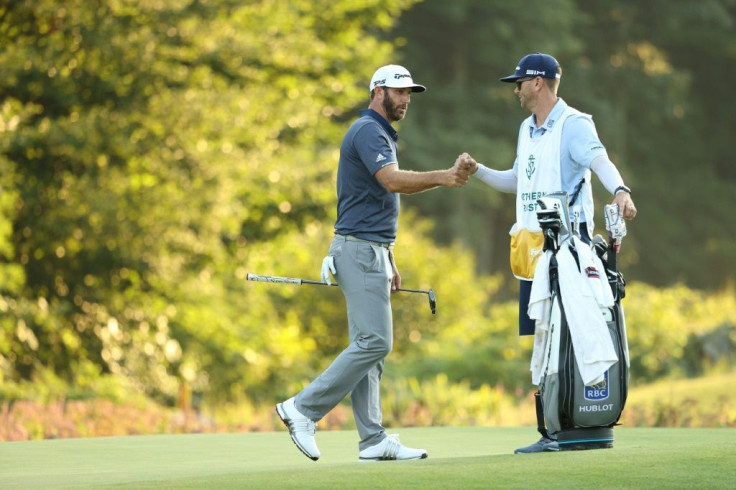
383	122
552	118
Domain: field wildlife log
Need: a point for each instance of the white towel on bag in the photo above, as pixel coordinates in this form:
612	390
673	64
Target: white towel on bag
584	293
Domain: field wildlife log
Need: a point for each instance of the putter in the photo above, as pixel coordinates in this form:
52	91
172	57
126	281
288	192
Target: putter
298	281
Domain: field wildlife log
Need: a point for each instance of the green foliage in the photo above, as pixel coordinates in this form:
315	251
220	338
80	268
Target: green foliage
651	73
408	402
147	147
441	402
154	153
662	323
701	402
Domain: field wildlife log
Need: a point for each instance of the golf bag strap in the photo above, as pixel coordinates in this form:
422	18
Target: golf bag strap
575	193
540	415
615	278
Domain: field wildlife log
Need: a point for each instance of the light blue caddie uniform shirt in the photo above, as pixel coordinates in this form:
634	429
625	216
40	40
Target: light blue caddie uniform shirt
579	146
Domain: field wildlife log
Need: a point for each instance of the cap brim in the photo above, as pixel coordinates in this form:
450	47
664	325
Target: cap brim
414	87
510	78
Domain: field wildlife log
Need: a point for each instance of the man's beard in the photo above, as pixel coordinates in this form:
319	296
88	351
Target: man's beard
391	109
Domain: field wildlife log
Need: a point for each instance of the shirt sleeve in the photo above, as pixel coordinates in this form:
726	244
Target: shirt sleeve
607	173
502	180
583	143
374	148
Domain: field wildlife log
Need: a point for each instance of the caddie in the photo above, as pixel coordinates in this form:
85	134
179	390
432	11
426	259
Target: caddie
557	148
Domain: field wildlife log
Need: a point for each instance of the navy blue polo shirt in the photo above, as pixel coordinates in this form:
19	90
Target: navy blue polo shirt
365	209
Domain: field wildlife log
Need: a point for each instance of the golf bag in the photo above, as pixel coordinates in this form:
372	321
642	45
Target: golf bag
579	415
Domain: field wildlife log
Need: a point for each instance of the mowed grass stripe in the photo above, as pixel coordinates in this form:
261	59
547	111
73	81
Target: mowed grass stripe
459	457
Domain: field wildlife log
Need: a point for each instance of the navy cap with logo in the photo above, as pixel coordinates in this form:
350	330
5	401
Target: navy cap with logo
535	65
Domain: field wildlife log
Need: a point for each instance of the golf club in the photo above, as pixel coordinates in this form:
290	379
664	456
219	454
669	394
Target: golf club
298	281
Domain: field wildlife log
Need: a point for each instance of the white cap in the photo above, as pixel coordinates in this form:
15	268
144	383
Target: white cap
394	76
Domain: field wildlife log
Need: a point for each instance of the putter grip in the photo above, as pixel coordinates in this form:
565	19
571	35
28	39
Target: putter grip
282	280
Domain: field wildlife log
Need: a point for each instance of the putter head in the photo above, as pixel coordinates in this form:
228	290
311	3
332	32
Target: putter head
432	301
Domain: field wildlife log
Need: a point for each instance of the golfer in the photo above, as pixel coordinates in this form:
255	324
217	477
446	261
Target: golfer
557	148
369	182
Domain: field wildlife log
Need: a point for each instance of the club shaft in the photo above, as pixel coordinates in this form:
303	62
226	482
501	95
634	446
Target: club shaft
423	291
299	281
318	283
296	280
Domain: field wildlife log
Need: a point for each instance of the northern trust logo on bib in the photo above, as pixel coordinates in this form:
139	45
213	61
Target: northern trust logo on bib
530	167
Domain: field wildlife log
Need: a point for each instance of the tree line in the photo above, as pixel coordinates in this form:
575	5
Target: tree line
154	153
652	74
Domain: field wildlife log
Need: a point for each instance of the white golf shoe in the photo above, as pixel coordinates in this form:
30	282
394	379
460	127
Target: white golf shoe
391	449
301	428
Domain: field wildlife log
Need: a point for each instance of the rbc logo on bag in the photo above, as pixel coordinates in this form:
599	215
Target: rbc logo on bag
598	391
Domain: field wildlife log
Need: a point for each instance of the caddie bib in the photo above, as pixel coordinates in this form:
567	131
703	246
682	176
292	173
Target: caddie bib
538	175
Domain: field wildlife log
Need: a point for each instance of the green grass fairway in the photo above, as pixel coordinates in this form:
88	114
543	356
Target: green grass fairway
465	457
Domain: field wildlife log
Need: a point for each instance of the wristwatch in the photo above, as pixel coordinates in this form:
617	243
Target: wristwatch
622	188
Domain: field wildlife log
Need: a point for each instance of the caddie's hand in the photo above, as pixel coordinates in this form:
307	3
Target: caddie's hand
328	265
625	205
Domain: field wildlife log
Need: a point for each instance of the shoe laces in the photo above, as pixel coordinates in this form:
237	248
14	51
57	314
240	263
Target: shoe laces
304	425
393	446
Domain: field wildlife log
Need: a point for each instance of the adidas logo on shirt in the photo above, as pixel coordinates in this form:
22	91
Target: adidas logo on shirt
380	158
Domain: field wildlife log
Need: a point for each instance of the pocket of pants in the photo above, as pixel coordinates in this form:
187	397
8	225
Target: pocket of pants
368	258
336	248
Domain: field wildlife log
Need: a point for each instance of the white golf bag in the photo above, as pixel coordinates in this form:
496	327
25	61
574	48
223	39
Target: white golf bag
580	360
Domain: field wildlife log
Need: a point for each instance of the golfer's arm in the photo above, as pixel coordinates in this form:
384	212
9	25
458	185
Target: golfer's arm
409	182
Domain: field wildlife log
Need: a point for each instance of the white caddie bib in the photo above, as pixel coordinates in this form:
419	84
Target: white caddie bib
539	174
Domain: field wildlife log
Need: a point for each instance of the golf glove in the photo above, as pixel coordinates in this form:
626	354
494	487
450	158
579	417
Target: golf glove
328	265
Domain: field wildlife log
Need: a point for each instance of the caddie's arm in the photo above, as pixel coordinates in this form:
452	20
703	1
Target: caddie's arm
501	180
611	179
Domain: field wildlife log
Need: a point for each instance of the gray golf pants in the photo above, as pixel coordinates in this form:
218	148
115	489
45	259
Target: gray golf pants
364	273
